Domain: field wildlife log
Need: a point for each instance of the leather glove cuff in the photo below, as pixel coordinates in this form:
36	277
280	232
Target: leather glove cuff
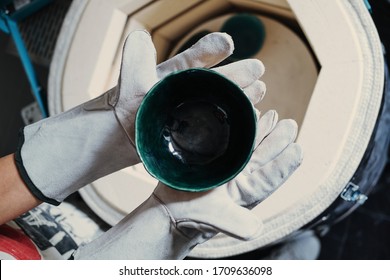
24	174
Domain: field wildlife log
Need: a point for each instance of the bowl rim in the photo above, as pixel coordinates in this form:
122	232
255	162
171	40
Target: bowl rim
210	186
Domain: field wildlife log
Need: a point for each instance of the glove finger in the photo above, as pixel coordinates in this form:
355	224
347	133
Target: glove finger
272	145
275	173
263	182
207	52
265	125
210	212
138	68
255	92
257	113
243	72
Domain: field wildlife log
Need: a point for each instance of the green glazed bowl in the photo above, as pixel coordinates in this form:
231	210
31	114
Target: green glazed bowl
195	130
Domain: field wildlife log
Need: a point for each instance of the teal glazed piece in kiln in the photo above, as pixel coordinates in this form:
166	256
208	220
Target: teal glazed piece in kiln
248	33
195	130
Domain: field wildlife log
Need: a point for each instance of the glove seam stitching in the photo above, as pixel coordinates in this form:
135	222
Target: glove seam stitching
172	219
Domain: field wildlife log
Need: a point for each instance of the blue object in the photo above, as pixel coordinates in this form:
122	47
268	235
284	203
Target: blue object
248	34
368	5
9	17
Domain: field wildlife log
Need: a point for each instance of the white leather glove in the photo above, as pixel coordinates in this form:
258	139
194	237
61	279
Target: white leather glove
59	155
170	223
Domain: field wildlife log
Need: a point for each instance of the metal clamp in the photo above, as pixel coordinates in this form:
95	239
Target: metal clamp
351	193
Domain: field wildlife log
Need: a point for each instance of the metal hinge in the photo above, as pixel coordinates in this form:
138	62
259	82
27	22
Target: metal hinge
351	193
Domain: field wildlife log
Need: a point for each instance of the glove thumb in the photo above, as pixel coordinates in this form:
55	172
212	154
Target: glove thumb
138	68
238	222
208	212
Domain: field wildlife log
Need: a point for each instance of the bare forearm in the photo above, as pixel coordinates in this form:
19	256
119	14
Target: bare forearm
15	197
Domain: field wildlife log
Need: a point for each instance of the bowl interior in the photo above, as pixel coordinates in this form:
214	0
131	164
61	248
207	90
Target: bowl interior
195	130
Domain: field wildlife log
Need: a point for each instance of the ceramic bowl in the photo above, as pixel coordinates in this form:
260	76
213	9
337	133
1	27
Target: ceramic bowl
195	130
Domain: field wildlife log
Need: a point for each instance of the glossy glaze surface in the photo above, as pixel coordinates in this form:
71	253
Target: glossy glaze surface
195	130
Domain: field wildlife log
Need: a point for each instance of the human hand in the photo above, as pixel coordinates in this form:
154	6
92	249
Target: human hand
139	73
63	153
227	208
170	223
